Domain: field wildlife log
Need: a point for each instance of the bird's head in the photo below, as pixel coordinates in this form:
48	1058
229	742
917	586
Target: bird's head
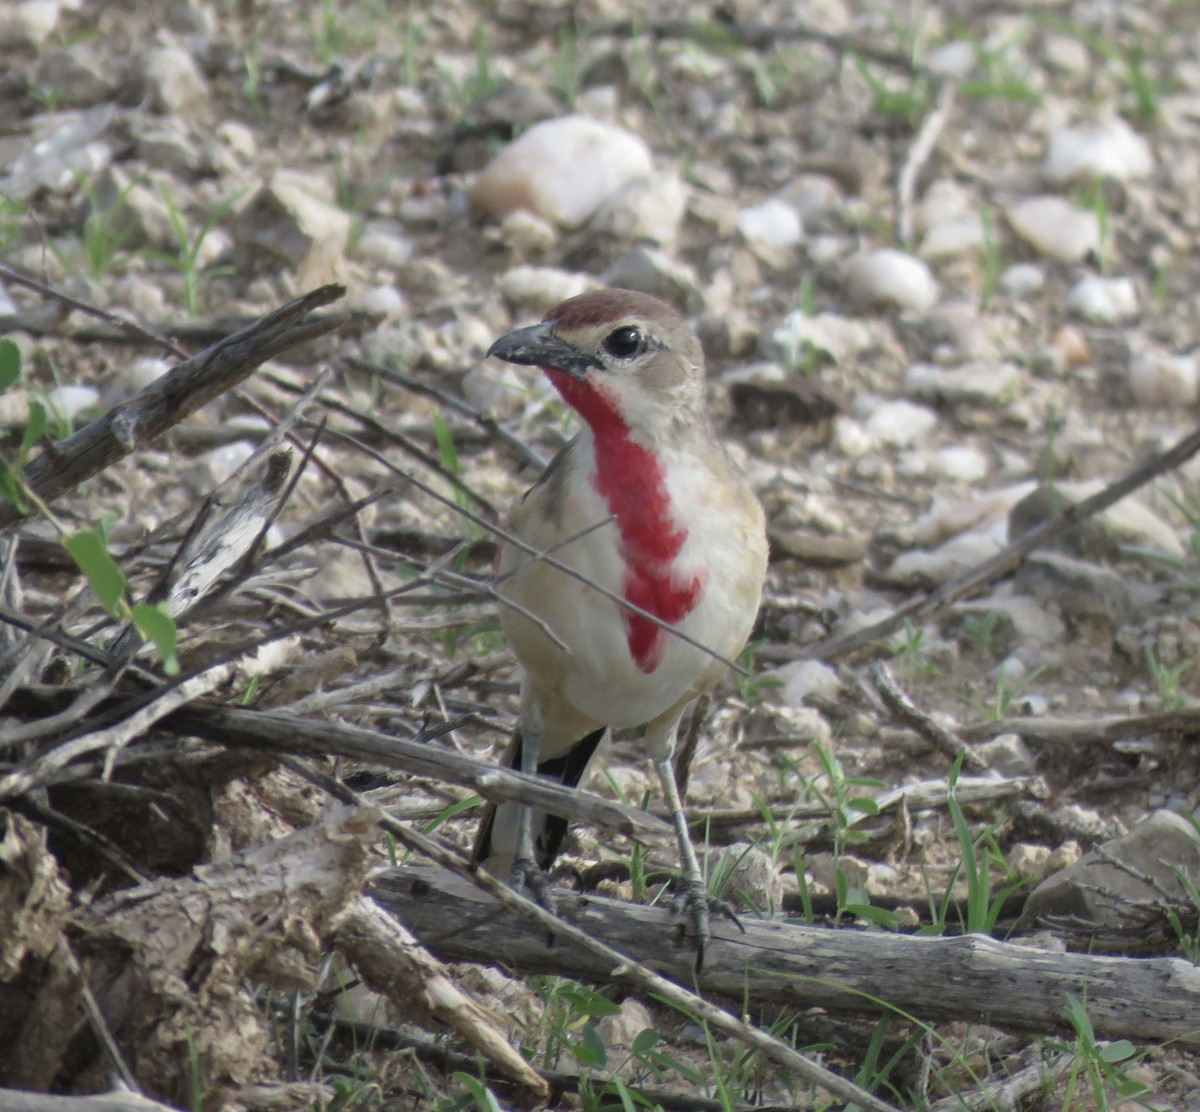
617	356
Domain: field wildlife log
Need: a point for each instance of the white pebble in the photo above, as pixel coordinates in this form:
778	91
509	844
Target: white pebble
953	59
1054	227
808	681
900	423
562	170
68	402
952	238
960	461
774	223
1105	150
1104	300
1157	378
382	301
538	288
1022	280
886	276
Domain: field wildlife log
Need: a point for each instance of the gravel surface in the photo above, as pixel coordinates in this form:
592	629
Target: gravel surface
943	268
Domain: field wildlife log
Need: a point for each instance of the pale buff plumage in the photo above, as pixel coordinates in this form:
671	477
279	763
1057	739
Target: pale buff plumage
569	696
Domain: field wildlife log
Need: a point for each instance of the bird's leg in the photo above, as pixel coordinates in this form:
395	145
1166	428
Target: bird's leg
691	898
527	874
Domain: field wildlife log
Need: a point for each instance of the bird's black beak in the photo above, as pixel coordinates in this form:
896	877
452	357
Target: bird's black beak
537	346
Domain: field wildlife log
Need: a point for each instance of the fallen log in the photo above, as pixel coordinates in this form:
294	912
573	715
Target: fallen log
971	978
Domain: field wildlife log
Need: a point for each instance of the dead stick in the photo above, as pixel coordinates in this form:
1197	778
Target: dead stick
1011	557
177	394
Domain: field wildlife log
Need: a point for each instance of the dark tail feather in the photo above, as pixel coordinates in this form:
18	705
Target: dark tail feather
567	770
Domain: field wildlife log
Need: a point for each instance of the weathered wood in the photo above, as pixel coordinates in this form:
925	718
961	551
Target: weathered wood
272	731
177	394
13	1101
972	977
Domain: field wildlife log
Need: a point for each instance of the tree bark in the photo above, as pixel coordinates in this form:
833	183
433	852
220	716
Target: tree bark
776	964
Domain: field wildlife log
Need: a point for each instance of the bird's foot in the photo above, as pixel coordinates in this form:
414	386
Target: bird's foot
693	900
529	879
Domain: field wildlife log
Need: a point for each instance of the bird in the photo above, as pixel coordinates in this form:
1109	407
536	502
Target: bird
656	521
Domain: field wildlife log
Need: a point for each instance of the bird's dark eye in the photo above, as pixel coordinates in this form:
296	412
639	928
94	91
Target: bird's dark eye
624	342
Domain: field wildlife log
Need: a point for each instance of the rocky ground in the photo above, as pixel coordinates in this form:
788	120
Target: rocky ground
942	262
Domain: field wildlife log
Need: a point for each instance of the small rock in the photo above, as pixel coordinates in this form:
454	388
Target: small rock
142	296
952	239
379	301
527	233
1072	346
1067	54
384	243
808	681
839	339
649	209
1056	228
1112	149
649	270
952	59
134	209
29	24
900	423
763	400
69	402
932	567
773	223
619	1031
562	170
497	393
214	467
132	378
1019	620
535	289
167	145
1157	378
1104	300
975	384
807	725
819	549
1101	537
238	139
1022	280
813	197
1116	885
1079	589
753	876
79	76
1008	755
963	462
60	150
889	277
174	83
289	221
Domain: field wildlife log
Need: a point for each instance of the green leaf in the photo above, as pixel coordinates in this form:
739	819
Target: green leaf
88	550
10	363
1117	1050
9	487
34	428
447	452
590	1049
645	1040
155	624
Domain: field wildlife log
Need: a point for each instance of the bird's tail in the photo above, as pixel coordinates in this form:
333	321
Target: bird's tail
495	841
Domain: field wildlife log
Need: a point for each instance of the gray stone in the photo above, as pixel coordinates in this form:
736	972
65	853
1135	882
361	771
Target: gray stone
651	271
174	83
1056	228
1114	886
1079	589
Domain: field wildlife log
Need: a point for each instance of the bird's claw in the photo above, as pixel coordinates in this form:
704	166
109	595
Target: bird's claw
528	877
692	899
